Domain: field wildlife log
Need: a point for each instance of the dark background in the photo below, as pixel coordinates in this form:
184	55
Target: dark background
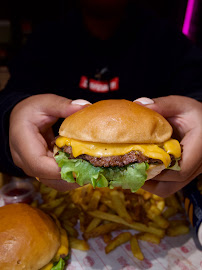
24	15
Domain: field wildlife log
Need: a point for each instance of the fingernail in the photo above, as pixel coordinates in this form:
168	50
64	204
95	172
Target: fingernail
145	100
80	102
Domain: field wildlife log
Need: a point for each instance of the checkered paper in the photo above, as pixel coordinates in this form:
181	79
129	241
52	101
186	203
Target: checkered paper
173	253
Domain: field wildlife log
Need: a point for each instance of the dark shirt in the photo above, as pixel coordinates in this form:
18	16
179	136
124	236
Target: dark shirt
148	57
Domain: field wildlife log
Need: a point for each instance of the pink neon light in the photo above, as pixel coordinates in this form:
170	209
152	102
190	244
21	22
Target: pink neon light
188	17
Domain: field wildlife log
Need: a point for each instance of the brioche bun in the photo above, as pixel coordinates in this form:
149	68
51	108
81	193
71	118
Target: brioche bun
29	238
116	121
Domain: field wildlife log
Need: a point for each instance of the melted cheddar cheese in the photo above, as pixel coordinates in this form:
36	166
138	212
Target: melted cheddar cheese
154	151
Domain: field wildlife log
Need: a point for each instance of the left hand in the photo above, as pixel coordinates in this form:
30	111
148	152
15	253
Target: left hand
185	116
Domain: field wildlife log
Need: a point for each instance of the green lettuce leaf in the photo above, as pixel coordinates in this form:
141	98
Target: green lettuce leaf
59	266
130	177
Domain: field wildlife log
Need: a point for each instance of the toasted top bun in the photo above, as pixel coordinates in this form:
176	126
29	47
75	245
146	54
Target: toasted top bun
116	121
29	238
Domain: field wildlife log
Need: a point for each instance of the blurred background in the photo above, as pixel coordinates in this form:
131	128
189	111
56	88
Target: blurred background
19	18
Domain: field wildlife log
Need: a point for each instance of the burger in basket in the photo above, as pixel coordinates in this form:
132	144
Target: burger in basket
115	143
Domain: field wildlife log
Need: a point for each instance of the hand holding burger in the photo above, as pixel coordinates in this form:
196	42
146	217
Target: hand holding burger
31	133
185	115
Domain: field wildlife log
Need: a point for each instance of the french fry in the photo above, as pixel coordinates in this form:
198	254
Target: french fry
177	230
135	248
136	212
59	210
160	205
118	205
107	202
86	193
70	230
134	225
117	241
82	221
67	222
70	213
75	196
50	196
174	223
140	192
154	209
96	221
149	237
78	244
101	211
152	224
159	220
93	224
43	189
101	230
35	203
93	204
103	208
147	195
156	197
169	212
36	185
107	237
174	202
52	204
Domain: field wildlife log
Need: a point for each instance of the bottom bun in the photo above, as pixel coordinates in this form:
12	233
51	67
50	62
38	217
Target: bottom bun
154	170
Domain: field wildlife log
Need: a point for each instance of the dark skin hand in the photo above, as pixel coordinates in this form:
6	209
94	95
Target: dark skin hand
30	136
185	116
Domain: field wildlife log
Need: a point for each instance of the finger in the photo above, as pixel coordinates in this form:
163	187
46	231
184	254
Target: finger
164	189
46	167
168	106
32	150
59	107
59	185
191	163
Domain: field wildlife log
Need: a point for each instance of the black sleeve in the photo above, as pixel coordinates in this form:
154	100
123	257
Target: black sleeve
187	76
29	74
174	61
184	61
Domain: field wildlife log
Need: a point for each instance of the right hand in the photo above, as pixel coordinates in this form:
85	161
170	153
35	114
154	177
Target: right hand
30	135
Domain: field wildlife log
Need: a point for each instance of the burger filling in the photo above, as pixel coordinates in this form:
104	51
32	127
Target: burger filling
113	165
113	161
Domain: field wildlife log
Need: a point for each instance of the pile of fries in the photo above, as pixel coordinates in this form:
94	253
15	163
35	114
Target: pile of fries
99	212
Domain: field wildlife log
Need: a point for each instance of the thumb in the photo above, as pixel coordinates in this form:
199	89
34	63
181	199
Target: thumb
168	106
60	107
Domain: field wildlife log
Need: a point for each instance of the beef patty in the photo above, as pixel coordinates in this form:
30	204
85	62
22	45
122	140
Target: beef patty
113	161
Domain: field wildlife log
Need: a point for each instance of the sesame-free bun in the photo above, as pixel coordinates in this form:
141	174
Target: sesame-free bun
29	238
116	121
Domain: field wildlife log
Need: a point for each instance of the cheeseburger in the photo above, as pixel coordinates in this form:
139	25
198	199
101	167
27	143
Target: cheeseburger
115	143
30	239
